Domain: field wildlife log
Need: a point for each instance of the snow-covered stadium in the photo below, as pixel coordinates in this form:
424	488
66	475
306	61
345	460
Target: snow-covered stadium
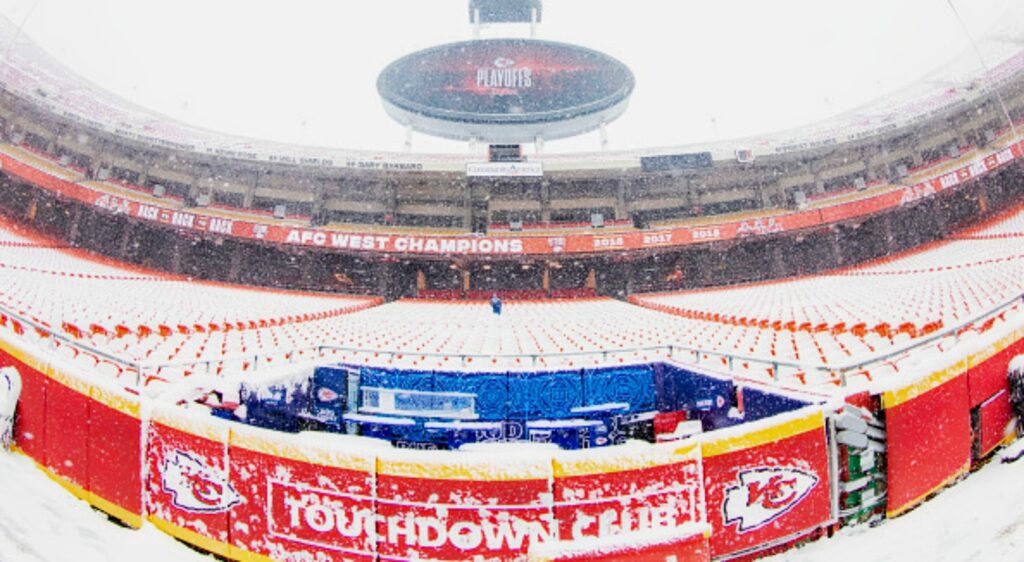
718	350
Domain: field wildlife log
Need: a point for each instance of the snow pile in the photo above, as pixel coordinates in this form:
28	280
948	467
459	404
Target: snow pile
10	389
42	522
981	518
623	544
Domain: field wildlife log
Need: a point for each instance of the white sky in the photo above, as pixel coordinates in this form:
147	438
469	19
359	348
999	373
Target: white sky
304	71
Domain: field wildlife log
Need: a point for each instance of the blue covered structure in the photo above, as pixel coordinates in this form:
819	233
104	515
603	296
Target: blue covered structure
573	408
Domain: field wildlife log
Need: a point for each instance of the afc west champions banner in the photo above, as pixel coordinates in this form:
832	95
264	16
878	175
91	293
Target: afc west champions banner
411	244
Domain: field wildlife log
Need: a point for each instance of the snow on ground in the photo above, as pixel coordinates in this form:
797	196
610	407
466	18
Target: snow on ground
41	522
981	518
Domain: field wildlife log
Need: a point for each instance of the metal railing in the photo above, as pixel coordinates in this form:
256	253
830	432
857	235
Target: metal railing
259	361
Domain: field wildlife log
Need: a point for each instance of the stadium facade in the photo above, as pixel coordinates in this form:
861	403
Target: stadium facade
772	413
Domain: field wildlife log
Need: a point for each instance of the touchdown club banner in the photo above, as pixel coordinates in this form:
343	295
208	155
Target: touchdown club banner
357	501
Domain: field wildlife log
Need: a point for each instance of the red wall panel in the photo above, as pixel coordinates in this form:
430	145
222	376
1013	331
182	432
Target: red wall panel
768	492
67	432
294	509
928	442
996	415
30	422
459	519
608	503
187	485
115	457
988	377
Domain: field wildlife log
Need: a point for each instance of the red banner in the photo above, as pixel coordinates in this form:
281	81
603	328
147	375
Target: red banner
115	455
30	421
464	508
188	493
767	485
599	495
303	501
67	429
928	437
995	419
987	374
411	244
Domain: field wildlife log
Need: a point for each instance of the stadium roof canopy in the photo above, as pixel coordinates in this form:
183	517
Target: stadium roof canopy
785	72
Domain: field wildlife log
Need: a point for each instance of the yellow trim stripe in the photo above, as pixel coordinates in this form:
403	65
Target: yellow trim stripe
191	537
192	423
512	471
274	445
246	556
20	354
129	518
126	404
917	501
68	380
724	445
893	398
992	350
133	520
583	464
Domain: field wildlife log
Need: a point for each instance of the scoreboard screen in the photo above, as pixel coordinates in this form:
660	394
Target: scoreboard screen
504	82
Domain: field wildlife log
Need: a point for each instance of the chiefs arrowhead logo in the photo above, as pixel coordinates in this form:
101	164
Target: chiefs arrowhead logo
325	394
195	486
763	494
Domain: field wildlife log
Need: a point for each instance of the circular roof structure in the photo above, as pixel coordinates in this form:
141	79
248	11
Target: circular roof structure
505	90
786	75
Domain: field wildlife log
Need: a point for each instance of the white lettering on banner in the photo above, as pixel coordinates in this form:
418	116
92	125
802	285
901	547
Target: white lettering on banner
323	517
611	242
611	522
978	169
758	227
706	233
916	193
416	245
1004	156
326	518
359	241
184	220
762	495
505	75
148	212
380	165
195	486
504	169
259	231
658	238
114	204
949	180
306	237
225	226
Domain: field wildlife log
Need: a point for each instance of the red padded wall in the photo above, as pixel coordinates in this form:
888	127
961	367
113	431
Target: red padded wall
928	442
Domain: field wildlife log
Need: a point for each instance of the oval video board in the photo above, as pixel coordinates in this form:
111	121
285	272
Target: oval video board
509	90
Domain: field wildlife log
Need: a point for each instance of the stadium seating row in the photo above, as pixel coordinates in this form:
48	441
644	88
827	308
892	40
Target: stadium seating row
800	331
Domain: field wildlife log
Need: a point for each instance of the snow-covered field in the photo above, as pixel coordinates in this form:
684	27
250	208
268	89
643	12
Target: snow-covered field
979	519
41	522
